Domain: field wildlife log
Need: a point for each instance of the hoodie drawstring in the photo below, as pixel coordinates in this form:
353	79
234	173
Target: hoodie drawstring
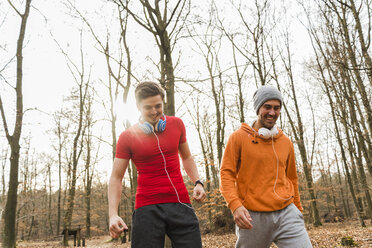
254	141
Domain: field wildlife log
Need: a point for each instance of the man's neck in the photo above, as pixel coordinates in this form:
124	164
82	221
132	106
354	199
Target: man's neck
257	124
142	120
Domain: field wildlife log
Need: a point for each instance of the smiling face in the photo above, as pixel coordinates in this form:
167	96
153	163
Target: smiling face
268	114
151	109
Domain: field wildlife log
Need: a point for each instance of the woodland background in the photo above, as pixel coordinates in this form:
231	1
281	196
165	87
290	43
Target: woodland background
67	74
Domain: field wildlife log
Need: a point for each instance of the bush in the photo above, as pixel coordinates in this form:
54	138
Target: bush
348	241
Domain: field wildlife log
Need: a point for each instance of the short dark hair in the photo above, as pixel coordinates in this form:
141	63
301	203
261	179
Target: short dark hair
148	89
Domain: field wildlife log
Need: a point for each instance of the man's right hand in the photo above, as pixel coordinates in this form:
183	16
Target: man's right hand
242	218
117	226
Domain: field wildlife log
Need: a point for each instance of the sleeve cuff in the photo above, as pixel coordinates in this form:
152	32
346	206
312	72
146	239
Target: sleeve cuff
234	205
298	205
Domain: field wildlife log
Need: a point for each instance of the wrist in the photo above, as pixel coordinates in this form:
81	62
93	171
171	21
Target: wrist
199	182
112	213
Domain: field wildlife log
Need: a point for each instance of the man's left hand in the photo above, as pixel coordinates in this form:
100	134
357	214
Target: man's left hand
199	193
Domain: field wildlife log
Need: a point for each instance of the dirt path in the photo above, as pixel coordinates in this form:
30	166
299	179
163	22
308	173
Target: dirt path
329	235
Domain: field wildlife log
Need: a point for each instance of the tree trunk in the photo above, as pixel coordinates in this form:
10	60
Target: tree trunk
3	191
325	83
168	84
344	159
299	132
352	58
9	228
239	79
362	42
88	191
60	146
87	219
341	189
83	87
50	201
325	185
363	182
212	163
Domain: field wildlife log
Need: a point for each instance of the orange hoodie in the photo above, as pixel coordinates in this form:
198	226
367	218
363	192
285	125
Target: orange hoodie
249	171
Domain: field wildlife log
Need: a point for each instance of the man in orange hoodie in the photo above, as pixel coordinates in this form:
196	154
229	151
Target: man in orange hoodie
259	180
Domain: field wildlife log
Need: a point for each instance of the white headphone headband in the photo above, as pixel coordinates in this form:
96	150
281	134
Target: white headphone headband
268	133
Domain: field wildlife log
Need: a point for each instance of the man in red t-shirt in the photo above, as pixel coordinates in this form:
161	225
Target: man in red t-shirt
162	201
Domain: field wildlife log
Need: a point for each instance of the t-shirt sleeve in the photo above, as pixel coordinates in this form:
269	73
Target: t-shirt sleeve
183	131
122	146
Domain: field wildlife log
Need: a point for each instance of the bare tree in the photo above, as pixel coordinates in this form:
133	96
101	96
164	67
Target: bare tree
298	129
9	228
4	155
341	11
164	22
90	161
82	80
116	80
364	36
61	132
209	45
49	176
239	80
252	45
338	64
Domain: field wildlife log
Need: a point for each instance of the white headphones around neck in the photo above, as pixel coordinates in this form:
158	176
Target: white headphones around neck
268	133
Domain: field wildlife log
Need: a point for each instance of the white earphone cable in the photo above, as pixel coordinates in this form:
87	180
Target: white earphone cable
166	171
277	171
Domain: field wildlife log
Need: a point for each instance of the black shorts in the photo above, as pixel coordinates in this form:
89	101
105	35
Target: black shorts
151	223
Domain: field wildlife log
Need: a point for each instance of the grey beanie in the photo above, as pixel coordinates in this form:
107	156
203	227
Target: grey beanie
265	93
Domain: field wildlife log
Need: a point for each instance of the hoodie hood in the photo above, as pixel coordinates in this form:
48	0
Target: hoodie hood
254	132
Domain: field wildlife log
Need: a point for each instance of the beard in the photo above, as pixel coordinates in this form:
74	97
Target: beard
268	121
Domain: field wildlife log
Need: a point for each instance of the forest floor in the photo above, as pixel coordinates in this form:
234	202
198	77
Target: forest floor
328	235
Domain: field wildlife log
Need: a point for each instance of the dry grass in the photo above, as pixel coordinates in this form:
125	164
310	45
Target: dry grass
328	235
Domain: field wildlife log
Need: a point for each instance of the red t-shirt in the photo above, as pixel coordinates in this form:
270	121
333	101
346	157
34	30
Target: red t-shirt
154	186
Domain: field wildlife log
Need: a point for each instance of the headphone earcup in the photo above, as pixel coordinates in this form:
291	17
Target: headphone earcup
146	127
160	126
274	131
266	133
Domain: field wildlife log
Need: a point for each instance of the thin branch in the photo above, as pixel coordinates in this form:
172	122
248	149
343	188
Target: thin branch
15	9
5	124
193	87
342	3
174	11
148	5
368	42
177	20
10	61
135	17
41	13
68	59
6	81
